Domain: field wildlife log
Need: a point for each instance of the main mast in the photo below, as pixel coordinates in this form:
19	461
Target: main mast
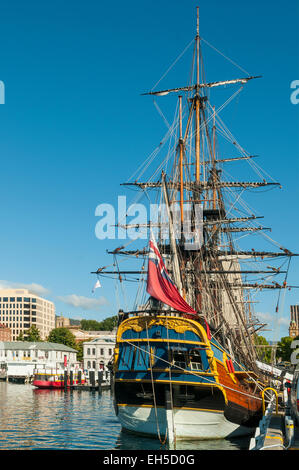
196	104
209	276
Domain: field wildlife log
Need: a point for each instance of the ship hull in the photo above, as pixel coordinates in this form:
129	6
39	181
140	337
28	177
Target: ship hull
171	380
188	424
47	384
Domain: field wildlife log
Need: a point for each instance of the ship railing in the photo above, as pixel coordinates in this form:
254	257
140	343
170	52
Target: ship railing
268	430
149	313
257	442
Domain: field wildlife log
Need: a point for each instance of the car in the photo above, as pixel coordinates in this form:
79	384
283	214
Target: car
294	396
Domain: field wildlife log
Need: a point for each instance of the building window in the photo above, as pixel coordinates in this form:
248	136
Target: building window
88	364
102	352
88	351
93	351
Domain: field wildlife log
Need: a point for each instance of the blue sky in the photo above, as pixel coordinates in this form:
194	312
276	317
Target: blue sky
74	126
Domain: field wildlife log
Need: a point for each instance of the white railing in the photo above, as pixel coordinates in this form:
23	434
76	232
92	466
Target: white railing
257	442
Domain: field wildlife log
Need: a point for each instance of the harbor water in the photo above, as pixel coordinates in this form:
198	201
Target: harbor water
36	419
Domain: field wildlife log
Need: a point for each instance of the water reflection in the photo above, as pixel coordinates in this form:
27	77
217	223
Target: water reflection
129	441
54	419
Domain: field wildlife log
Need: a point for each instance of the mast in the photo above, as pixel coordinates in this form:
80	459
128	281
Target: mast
176	268
197	106
181	145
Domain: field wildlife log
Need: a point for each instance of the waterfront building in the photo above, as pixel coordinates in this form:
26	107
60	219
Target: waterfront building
98	352
5	333
84	335
294	324
79	334
62	322
20	309
23	357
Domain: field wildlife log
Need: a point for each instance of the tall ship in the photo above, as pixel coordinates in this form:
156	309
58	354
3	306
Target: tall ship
185	362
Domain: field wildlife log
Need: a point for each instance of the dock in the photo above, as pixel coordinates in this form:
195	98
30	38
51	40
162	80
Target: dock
92	384
278	429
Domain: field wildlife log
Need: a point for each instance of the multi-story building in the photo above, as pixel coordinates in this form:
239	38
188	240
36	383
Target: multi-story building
98	352
20	309
294	324
5	333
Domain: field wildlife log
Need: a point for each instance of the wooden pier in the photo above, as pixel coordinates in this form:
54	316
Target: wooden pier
93	384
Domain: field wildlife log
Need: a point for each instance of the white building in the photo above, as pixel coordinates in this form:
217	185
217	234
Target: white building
22	357
99	352
20	309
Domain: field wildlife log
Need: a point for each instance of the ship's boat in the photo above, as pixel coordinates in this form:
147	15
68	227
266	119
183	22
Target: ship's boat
185	362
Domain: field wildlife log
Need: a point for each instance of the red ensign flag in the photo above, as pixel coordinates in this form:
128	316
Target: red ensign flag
159	284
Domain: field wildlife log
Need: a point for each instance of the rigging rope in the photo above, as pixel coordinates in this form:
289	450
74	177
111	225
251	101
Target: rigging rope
173	64
223	55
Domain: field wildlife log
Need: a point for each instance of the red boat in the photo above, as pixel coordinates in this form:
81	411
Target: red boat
55	380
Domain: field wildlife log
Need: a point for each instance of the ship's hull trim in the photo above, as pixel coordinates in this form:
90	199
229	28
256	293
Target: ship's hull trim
188	424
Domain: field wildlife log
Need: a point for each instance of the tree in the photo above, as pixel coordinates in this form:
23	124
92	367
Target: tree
32	334
62	336
21	337
92	325
263	354
109	323
284	349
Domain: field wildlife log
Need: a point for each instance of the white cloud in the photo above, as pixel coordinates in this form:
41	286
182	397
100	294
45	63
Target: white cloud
284	321
266	317
33	287
272	318
85	303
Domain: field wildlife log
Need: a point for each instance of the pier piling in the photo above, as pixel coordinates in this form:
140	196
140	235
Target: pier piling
65	376
100	380
92	378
